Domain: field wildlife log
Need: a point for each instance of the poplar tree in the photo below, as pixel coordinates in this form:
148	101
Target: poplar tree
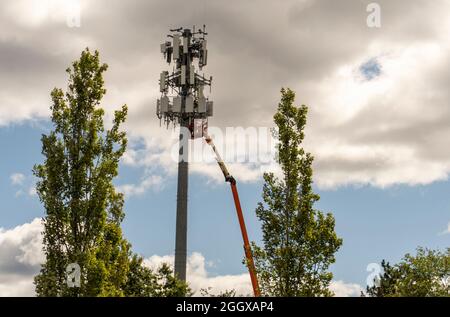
299	241
82	224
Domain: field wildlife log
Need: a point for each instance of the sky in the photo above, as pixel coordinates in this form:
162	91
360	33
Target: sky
378	123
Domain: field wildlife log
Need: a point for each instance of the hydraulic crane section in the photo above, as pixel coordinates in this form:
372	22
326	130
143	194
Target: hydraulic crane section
248	252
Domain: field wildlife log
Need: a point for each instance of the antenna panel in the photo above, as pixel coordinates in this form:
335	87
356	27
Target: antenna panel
162	81
185	45
183	75
202	105
209	108
176	104
176	46
165	107
189	104
192	75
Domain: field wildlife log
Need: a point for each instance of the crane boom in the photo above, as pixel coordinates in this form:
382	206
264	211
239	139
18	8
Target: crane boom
247	249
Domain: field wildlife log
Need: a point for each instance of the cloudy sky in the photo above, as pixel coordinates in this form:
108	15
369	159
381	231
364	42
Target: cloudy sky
378	124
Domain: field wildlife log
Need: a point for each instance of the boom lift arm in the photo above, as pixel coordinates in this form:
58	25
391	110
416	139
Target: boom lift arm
248	252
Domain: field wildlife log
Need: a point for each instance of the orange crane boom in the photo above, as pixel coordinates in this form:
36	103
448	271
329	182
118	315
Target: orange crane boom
248	252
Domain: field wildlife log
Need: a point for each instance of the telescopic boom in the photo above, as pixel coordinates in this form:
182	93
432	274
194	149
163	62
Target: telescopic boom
248	252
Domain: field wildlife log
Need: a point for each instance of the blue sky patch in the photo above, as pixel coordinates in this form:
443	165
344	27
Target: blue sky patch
370	69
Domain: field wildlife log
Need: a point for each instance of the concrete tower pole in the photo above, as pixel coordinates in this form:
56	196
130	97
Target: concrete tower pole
182	200
183	175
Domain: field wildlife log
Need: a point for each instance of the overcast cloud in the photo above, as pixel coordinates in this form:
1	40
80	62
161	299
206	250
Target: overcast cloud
21	256
387	128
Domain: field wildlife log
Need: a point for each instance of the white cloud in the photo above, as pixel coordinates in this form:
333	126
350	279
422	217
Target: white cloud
17	286
20	258
20	180
389	130
34	13
17	178
198	277
446	231
32	191
154	182
378	132
342	289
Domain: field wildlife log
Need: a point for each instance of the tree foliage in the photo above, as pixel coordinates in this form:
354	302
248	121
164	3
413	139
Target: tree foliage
143	282
299	241
423	275
75	184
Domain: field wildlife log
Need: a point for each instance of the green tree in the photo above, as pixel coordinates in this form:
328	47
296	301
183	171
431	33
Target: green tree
423	275
143	282
83	210
299	241
208	292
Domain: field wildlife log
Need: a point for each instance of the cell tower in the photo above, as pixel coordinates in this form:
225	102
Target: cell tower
188	107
